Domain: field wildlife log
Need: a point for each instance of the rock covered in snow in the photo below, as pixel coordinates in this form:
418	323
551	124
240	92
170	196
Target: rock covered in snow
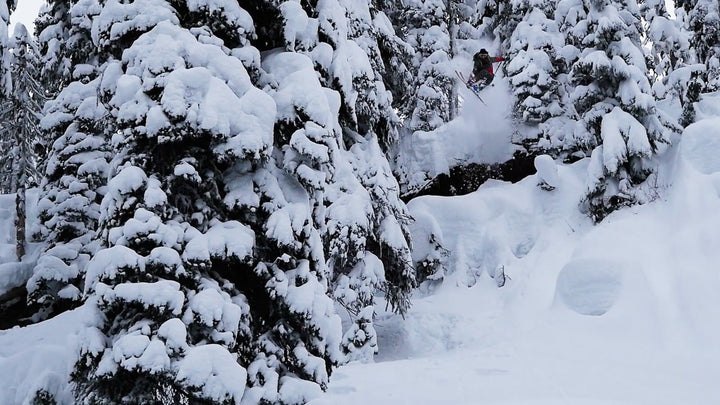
547	172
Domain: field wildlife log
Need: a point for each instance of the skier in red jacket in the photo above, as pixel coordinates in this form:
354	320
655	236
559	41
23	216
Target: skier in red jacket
482	73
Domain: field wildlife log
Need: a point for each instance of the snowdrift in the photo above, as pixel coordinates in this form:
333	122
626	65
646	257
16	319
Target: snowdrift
620	313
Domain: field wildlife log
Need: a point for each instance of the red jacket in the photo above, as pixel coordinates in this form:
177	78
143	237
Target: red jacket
484	62
496	59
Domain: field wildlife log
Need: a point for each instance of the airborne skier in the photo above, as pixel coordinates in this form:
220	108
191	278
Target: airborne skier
482	74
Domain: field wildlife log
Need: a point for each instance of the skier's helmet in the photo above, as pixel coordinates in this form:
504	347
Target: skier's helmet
483	51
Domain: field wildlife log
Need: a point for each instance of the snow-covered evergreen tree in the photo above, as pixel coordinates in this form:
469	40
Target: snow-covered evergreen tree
702	19
213	285
51	28
76	167
6	7
372	31
426	28
675	74
507	17
570	16
68	52
497	19
338	160
437	31
668	42
19	133
533	71
440	33
619	121
395	54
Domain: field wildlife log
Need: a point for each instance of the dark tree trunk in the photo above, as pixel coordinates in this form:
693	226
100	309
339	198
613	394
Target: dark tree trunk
20	222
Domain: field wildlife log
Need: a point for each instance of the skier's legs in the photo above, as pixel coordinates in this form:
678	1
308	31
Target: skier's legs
484	78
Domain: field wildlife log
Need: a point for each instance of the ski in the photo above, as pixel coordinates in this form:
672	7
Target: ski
462	79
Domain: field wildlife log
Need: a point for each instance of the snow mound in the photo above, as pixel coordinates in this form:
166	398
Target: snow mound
701	145
547	172
40	357
14	275
590	286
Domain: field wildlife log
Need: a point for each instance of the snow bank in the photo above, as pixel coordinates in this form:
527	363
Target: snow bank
214	370
14	275
40	356
590	315
701	142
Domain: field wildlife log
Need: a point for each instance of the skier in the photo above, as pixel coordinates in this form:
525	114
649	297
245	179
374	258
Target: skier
482	73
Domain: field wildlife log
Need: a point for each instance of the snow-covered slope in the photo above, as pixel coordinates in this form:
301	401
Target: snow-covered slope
625	312
40	356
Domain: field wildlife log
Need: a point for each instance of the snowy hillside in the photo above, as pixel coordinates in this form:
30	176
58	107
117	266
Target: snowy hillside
623	313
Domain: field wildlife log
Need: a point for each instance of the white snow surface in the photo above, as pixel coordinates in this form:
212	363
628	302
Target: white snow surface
547	171
40	356
620	313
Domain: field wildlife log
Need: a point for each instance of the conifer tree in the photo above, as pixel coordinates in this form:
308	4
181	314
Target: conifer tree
436	31
19	132
340	162
668	42
702	19
427	31
77	165
6	7
571	16
618	118
675	75
395	59
508	16
536	74
66	48
214	256
494	16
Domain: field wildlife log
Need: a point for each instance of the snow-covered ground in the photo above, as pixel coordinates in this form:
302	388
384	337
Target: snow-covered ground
623	313
40	356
